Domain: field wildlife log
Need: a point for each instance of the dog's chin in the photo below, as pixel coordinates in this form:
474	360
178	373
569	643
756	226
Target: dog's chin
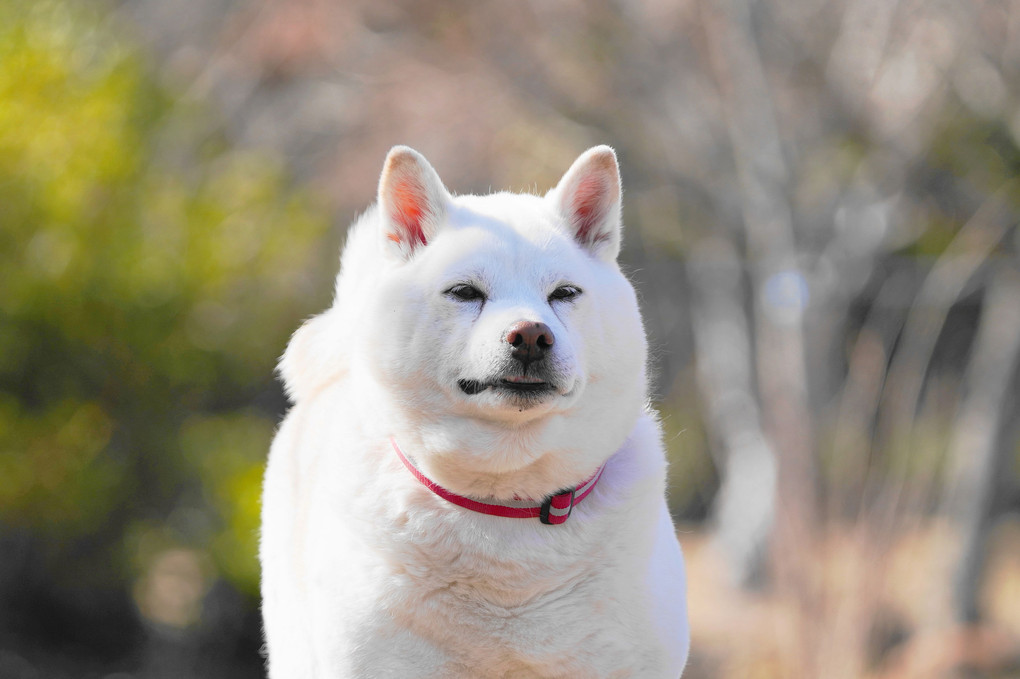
515	393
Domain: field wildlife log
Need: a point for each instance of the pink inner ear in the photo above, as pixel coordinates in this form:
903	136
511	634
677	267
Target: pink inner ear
589	207
408	211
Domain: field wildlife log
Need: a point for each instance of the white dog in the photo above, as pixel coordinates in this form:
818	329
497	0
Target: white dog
469	483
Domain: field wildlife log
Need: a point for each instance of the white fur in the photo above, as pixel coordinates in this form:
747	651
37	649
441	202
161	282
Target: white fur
367	573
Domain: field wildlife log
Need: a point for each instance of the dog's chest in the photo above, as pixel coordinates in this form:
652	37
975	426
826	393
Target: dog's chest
573	632
524	613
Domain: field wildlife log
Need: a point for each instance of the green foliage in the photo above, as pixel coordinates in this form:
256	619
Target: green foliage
142	305
231	484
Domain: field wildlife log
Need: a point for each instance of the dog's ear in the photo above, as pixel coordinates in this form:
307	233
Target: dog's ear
311	360
412	200
588	198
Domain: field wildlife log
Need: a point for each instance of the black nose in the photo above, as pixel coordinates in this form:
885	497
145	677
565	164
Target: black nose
530	340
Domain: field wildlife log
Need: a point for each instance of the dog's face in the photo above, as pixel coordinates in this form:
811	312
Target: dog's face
495	313
509	306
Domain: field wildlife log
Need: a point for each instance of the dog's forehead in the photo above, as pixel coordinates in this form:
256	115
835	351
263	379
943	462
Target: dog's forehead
518	231
525	214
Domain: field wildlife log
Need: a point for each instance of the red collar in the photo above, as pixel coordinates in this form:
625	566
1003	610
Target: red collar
555	510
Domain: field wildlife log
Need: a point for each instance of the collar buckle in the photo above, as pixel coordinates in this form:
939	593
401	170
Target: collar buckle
557	508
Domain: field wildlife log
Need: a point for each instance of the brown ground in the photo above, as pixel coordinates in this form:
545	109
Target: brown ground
878	613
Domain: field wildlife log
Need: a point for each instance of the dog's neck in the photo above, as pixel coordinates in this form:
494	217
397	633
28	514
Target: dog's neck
491	462
551	510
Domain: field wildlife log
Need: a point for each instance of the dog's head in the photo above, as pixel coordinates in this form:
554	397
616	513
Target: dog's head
489	315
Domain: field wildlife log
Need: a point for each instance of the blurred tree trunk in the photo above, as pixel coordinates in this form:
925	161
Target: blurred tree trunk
778	299
979	449
778	295
745	505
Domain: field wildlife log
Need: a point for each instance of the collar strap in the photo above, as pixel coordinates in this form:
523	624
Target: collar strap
554	510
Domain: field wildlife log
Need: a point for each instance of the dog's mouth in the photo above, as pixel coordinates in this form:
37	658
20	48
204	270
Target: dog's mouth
513	385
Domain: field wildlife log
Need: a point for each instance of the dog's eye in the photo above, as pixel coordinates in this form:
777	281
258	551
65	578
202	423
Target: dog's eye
564	292
466	293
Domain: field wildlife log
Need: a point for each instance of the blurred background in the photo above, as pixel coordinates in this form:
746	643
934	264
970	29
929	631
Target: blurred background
821	200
